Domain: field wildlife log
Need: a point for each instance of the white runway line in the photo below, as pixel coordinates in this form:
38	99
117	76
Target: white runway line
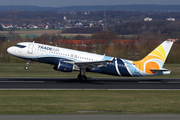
21	81
152	82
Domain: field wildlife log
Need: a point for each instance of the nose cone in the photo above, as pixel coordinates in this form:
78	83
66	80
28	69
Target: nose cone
9	50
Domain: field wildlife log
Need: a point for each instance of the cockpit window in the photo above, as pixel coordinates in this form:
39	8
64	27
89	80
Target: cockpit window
20	46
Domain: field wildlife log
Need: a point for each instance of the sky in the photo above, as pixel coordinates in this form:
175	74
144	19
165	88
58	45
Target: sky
61	3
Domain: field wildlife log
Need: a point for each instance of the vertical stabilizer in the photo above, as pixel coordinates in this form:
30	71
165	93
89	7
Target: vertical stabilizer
155	59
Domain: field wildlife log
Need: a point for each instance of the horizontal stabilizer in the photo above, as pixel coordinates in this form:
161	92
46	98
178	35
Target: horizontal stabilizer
156	70
161	71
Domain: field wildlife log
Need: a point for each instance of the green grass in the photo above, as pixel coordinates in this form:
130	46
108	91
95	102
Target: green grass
128	36
23	36
46	70
65	102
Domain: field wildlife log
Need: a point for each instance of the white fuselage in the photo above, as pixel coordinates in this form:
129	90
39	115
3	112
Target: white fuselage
67	60
36	50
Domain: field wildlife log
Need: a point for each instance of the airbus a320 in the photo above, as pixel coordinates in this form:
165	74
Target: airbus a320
68	60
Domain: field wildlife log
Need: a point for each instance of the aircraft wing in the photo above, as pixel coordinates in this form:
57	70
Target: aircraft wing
90	65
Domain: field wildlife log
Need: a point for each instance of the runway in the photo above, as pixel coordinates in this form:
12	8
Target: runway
90	84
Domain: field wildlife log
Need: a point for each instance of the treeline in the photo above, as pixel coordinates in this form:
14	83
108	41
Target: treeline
132	51
153	27
168	29
113	17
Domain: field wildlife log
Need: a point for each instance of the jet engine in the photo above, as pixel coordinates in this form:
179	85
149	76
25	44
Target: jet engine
64	67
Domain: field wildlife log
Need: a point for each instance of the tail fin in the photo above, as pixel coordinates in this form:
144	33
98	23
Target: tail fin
156	59
159	54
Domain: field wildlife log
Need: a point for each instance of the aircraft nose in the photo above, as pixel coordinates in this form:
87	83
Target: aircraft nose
9	50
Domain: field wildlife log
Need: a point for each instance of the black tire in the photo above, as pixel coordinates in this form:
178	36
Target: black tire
84	78
80	77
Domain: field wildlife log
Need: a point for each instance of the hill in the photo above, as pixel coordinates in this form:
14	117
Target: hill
145	8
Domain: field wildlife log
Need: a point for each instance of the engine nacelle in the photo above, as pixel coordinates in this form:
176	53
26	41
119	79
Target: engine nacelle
64	67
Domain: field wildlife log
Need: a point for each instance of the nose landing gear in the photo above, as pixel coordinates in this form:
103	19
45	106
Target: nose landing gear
27	66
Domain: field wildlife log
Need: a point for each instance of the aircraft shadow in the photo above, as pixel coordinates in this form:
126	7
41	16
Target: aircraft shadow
90	80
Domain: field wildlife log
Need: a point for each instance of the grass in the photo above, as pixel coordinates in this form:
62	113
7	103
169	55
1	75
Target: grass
65	102
46	70
24	32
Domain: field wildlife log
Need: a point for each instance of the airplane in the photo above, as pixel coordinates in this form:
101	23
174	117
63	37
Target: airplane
68	60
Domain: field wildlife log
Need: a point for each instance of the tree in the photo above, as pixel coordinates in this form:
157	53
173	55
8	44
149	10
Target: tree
79	37
105	35
1	28
13	36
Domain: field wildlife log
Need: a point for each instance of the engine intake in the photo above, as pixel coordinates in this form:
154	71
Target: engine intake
64	67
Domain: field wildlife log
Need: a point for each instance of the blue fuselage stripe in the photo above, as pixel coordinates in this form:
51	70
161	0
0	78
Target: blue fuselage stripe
122	68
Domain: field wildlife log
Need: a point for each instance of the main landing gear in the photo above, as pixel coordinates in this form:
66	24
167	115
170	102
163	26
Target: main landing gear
27	66
82	77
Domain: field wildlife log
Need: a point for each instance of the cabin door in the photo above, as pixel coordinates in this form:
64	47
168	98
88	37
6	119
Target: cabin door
30	49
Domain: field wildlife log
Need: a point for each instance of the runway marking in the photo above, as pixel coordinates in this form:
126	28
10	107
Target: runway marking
148	82
21	81
152	82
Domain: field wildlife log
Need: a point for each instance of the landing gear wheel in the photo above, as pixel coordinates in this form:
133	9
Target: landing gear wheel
26	67
82	77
